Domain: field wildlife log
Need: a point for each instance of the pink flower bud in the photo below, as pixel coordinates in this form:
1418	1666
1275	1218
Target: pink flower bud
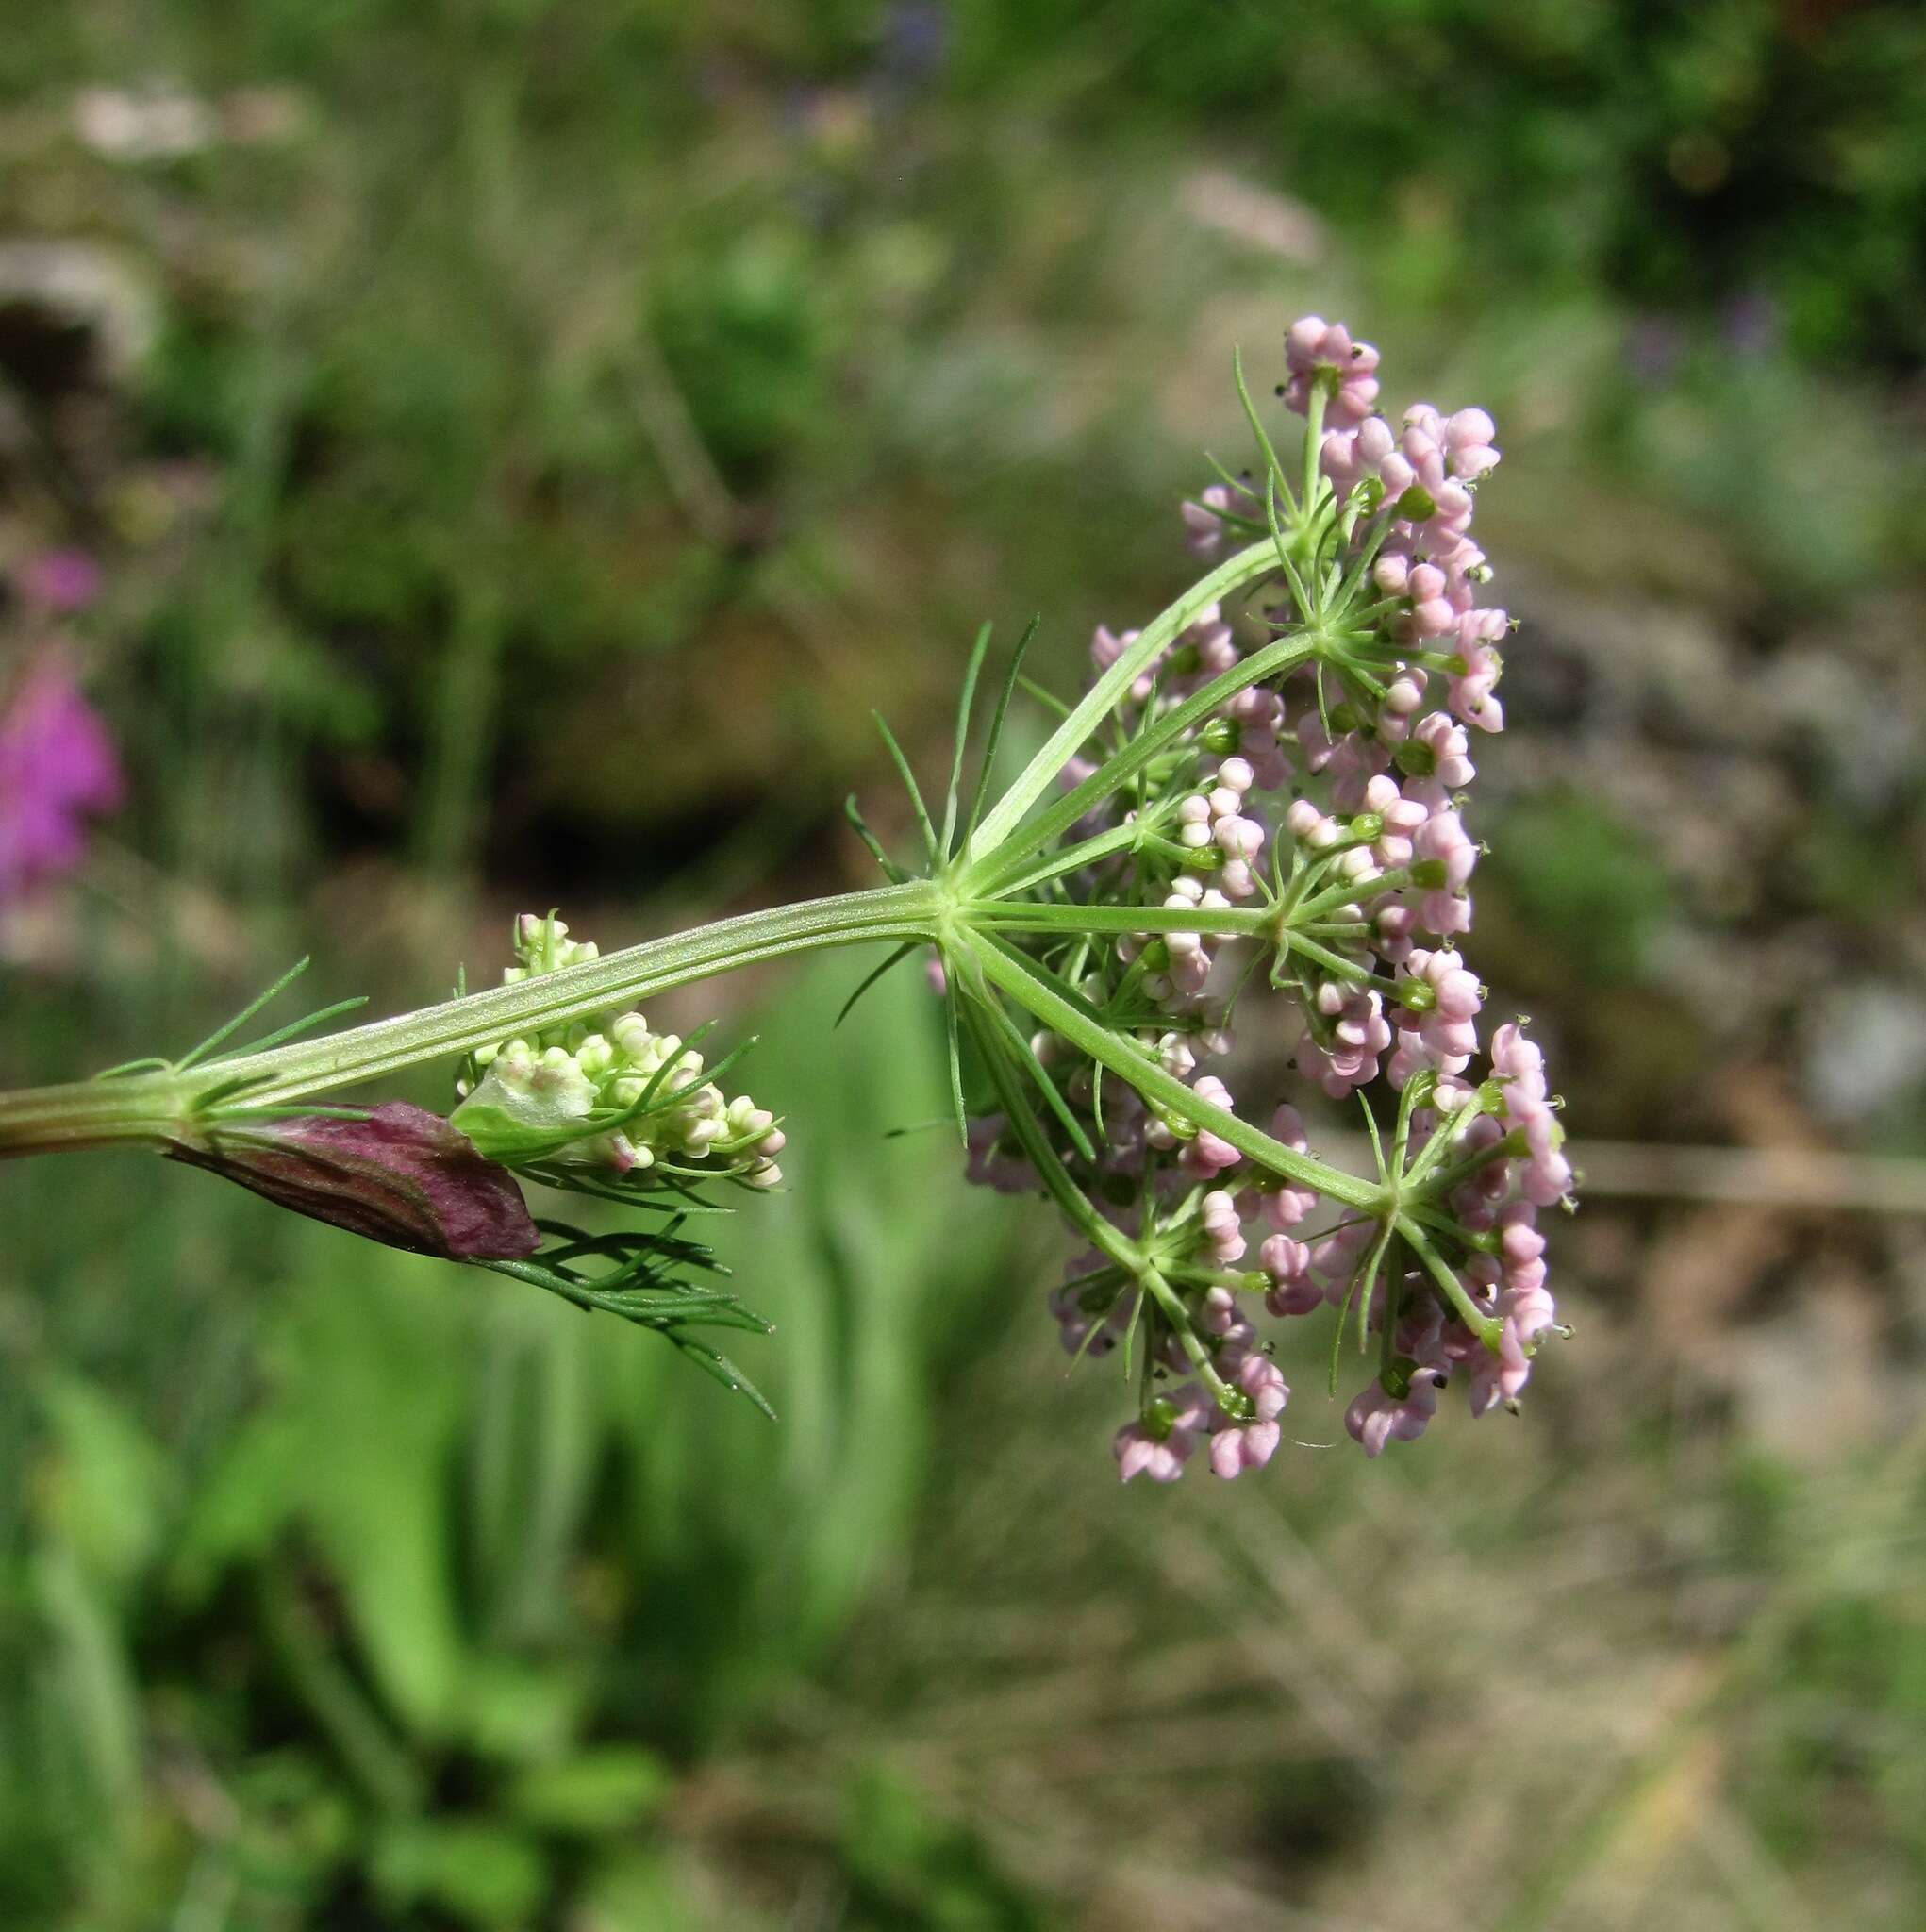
402	1176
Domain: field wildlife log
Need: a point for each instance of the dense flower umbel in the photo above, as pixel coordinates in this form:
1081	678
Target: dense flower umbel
617	1097
1315	814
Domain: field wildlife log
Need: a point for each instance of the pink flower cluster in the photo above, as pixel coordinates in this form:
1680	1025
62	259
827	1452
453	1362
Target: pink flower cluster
1159	1445
1318	351
1332	795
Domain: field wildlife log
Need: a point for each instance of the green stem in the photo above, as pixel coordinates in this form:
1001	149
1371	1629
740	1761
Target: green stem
1487	1328
1073	858
1348	889
1228	1399
1447	1180
1250	564
1004	970
1035	1143
1218	922
1334	963
990	871
156	1106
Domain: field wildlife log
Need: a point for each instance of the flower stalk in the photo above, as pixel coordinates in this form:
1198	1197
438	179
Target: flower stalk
157	1106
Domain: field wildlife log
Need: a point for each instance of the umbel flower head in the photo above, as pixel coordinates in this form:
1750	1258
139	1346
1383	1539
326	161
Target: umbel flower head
1278	792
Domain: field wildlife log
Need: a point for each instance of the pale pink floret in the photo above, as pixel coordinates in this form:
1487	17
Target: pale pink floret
1222	1226
1522	1247
1315	351
1205	528
1208	1153
1468	436
1286	1205
1501	1377
1377	1417
1546	1177
1479	633
1447	1027
1448	856
1292	1290
1359	1034
1520	1061
1443	840
1160	1451
1220	1315
1444	738
1337	458
1235	1446
1413	1054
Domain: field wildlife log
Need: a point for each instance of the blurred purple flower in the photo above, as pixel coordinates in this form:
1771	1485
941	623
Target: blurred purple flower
59	581
58	766
1749	323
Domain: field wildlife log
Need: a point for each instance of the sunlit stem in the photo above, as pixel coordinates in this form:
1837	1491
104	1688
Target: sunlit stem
1257	561
1218	922
154	1106
1487	1328
992	874
1122	1058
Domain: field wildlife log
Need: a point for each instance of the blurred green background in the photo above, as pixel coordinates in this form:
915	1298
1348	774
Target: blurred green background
521	438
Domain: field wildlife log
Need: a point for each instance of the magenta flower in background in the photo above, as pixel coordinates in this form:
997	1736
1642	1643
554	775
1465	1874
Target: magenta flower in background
57	768
59	581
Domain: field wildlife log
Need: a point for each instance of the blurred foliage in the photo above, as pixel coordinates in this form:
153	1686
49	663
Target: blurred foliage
1569	867
463	413
422	1625
523	438
1705	162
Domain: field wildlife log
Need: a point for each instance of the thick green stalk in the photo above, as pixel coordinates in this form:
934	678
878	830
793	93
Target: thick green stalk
1219	922
149	1106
